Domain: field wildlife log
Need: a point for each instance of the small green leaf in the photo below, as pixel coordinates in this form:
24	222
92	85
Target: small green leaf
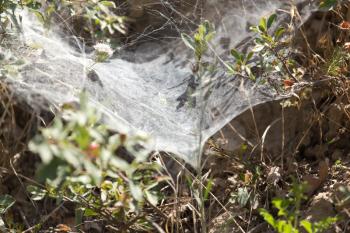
106	185
328	4
271	20
36	192
90	213
237	55
249	56
208	27
108	4
267	217
6	201
258	48
208	189
263	25
188	41
306	225
153	199
279	32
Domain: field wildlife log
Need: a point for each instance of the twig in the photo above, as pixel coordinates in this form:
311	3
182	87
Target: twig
47	217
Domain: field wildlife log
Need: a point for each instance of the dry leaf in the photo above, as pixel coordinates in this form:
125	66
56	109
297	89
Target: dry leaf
62	228
344	25
288	83
248	177
347	46
274	175
323	170
314	183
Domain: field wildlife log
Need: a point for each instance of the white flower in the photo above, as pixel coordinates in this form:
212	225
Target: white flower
102	52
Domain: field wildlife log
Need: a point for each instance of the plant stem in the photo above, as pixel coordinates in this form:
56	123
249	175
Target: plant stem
284	64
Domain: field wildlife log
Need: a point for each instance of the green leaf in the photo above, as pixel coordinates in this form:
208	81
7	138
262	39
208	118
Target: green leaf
306	225
90	213
6	201
36	192
268	217
258	48
263	24
43	150
152	198
254	29
188	41
237	55
271	20
324	224
281	205
208	27
79	214
279	32
209	36
107	185
201	31
328	4
108	4
249	56
243	196
136	191
208	189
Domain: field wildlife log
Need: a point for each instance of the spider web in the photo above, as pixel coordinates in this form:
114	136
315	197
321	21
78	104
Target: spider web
146	88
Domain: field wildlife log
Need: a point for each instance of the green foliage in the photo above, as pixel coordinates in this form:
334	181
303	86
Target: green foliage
328	4
8	8
204	66
97	17
200	40
337	62
10	64
288	215
6	201
270	52
82	163
241	65
242	197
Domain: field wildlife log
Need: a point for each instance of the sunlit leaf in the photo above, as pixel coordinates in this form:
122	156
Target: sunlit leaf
267	217
188	41
307	226
37	193
263	25
152	198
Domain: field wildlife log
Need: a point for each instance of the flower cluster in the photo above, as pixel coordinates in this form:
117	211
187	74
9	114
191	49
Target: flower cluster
102	52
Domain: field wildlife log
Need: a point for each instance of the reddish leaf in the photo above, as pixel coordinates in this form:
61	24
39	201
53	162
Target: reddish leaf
344	25
288	83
